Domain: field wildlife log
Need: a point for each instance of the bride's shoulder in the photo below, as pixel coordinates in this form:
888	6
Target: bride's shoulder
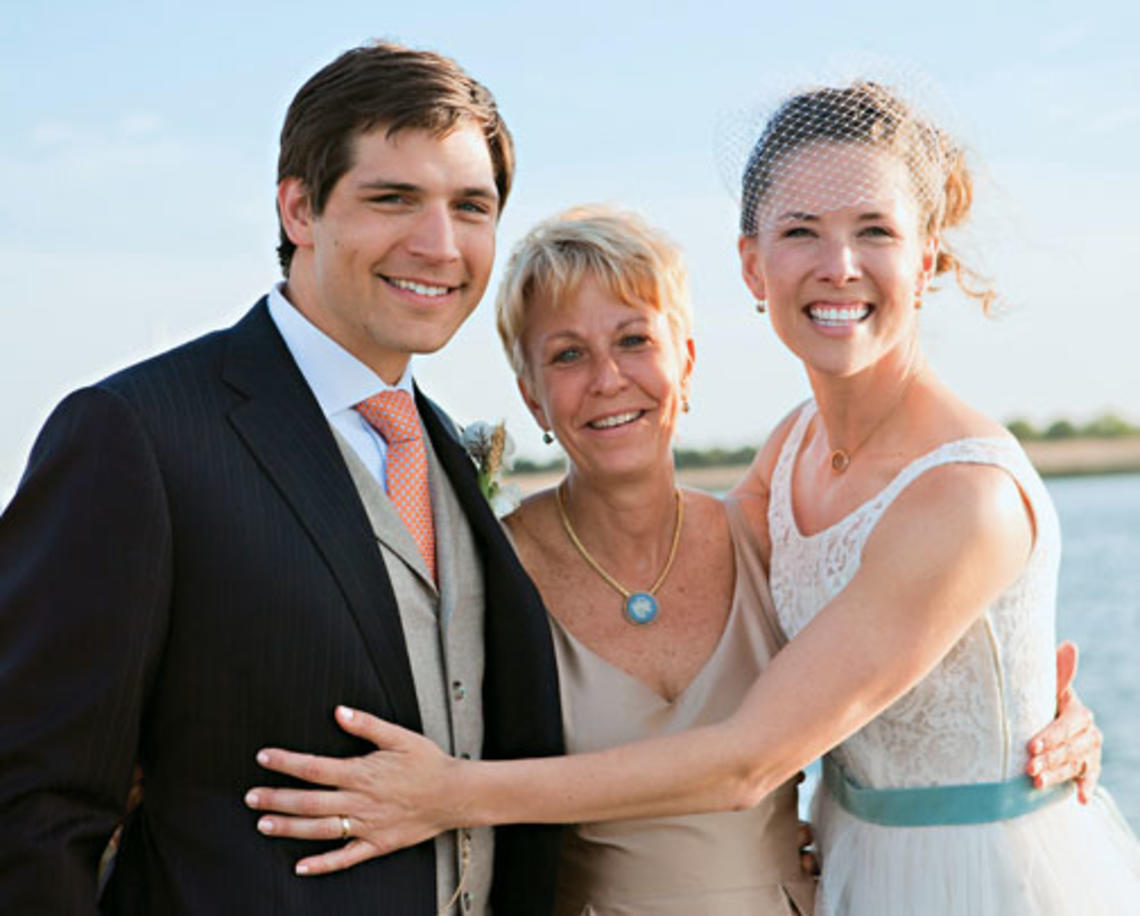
947	417
757	479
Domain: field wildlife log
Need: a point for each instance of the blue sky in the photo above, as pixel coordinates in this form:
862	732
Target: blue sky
139	140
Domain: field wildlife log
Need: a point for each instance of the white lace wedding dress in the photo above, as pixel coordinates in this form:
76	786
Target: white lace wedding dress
968	721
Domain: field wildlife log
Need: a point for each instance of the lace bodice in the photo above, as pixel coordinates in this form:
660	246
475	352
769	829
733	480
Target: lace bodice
970	718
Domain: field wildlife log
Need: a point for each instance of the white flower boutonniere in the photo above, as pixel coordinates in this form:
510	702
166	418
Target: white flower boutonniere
491	449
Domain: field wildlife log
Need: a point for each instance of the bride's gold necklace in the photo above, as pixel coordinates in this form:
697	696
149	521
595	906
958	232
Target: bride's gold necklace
840	459
640	607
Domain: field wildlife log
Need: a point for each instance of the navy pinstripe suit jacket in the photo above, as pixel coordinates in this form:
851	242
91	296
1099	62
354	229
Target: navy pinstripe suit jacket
186	575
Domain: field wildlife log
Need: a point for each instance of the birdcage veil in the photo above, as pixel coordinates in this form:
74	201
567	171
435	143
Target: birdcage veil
866	104
813	145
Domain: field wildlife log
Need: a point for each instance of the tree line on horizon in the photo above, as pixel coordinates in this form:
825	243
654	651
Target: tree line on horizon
1105	426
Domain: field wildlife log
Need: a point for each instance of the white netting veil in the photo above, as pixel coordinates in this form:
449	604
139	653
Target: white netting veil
847	141
787	152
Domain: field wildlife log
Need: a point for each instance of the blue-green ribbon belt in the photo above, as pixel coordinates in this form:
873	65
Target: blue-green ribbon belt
931	806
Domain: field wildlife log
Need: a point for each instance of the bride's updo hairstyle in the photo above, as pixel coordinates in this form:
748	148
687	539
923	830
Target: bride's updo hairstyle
639	265
863	114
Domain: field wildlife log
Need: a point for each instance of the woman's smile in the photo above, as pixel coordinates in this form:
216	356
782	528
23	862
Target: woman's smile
615	420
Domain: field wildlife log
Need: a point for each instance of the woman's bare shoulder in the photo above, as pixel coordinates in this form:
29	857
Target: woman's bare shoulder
529	526
976	503
758	478
707	512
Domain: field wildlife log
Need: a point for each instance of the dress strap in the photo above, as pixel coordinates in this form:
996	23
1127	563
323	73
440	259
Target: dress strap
994	451
781	520
750	564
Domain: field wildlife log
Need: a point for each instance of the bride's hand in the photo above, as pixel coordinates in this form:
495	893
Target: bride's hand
386	800
1069	747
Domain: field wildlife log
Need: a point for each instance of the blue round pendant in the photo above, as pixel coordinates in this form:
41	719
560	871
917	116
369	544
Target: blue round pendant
641	608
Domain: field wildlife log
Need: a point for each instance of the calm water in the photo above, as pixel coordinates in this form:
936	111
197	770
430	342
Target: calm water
1099	609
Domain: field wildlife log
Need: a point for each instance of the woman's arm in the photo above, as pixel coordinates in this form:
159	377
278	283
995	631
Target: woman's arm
939	557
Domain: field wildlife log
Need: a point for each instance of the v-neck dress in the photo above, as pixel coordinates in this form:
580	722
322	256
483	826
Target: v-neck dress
719	864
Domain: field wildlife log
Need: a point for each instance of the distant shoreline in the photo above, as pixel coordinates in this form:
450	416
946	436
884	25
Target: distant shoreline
1052	458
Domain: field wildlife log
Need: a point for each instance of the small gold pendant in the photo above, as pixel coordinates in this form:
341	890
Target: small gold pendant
840	461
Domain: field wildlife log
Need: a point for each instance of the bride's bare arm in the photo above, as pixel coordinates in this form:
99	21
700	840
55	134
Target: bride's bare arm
938	558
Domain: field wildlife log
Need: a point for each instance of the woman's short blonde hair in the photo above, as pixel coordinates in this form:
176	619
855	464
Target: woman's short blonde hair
636	263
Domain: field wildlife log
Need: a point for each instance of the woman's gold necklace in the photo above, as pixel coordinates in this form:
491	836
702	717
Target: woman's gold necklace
840	459
640	607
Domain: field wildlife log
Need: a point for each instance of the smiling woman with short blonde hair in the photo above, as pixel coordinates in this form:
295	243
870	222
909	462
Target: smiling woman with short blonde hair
635	262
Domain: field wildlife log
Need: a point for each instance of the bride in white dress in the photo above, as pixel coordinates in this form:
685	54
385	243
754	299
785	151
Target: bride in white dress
923	809
913	556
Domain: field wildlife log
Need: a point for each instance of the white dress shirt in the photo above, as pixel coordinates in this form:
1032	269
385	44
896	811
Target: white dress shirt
338	381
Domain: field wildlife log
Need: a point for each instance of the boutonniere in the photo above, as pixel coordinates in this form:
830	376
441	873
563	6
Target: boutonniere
491	449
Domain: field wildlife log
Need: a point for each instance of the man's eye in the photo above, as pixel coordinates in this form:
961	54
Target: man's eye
474	206
389	198
878	232
797	232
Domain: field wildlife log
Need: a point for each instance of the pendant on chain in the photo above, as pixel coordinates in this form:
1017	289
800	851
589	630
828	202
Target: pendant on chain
641	608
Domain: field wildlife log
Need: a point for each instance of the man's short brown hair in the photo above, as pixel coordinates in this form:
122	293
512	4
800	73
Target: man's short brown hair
373	86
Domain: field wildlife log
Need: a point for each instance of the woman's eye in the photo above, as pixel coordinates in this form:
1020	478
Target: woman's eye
797	232
878	232
634	340
567	355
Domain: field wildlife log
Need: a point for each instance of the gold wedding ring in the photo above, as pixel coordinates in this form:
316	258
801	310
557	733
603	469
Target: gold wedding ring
345	827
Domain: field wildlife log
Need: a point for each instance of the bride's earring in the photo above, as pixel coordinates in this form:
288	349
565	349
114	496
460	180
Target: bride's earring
761	306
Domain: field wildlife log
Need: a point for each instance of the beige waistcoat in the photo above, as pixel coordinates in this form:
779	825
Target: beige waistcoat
443	629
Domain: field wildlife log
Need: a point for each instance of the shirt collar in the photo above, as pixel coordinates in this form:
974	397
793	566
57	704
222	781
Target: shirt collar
337	379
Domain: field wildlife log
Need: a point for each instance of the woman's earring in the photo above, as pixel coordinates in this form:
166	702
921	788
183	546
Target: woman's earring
761	306
547	436
684	405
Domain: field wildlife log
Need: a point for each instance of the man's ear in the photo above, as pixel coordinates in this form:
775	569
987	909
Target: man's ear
295	212
749	249
533	405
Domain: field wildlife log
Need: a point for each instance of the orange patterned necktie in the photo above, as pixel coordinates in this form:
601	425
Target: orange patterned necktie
393	415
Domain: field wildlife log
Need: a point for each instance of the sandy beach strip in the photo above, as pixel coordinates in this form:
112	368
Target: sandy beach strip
1052	458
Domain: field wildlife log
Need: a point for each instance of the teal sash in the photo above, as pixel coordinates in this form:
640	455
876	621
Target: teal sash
931	806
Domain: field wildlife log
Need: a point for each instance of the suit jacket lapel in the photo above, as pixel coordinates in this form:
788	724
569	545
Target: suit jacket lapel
283	426
522	712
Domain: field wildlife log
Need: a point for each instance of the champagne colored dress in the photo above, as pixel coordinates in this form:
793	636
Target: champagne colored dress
965	724
742	863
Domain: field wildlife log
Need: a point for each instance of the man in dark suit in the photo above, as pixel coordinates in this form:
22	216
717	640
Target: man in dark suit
212	549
